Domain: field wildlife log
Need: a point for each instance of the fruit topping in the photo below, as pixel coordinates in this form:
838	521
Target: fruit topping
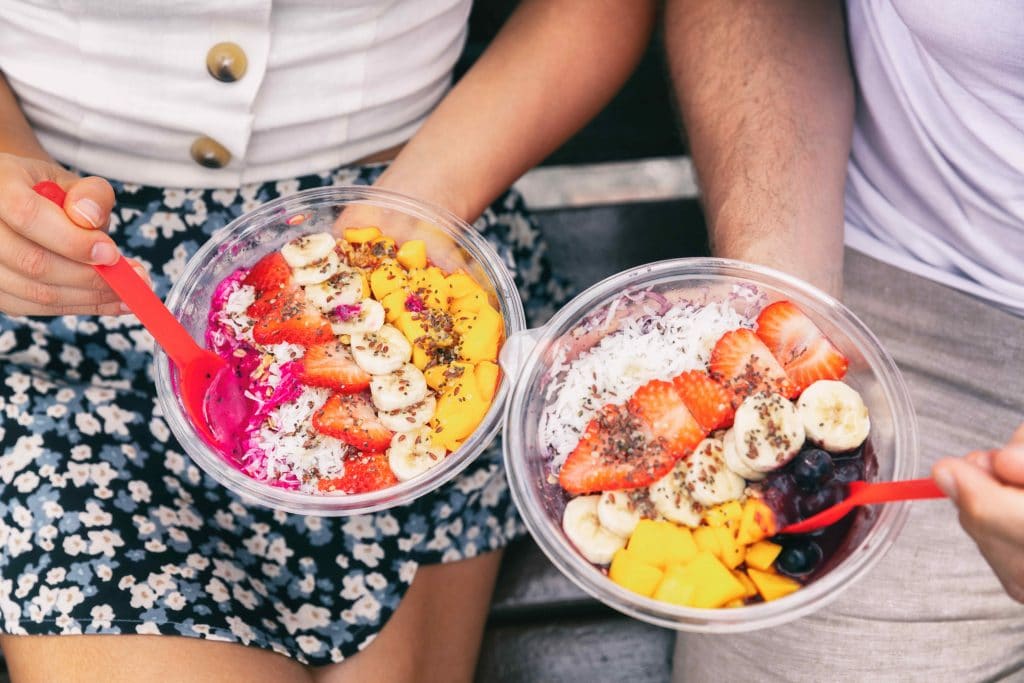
798	557
745	366
289	318
661	409
583	528
331	365
710	403
364	472
351	418
796	342
616	452
812	468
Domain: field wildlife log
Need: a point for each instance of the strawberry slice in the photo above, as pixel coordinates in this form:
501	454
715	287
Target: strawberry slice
710	403
662	410
804	351
364	472
351	418
271	278
616	452
290	318
745	366
331	365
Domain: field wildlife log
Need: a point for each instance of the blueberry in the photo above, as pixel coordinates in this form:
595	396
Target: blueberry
780	493
812	468
828	495
799	557
851	470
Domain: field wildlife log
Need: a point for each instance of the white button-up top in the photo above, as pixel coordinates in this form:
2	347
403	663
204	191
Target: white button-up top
120	88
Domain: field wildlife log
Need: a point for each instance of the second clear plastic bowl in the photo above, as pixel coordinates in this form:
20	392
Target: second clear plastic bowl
872	372
451	243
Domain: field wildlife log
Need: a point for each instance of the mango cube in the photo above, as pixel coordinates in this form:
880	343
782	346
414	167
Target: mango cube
726	514
738	602
361	235
762	555
480	334
750	590
707	540
394	304
460	408
487	374
715	583
632	574
469	304
676	587
413	254
461	284
386	278
436	376
430	285
730	552
660	543
772	586
758	522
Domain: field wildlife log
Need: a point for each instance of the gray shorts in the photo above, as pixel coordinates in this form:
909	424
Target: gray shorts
932	609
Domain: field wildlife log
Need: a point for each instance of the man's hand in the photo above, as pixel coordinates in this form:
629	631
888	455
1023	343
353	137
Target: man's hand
988	489
46	251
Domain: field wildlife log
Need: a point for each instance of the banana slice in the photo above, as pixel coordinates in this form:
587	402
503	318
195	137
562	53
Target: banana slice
618	512
735	462
767	431
308	249
413	453
345	288
318	271
583	527
404	387
708	480
369	318
672	500
834	415
381	352
411	418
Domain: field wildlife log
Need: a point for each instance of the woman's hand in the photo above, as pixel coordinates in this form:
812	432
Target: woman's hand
46	252
988	489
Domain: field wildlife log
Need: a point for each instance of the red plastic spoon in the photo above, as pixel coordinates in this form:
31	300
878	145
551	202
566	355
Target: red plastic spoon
198	368
863	493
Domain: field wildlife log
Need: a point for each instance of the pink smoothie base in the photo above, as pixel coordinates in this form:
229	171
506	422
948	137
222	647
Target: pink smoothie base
243	415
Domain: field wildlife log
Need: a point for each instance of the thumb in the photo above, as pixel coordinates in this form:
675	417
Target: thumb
89	202
1008	462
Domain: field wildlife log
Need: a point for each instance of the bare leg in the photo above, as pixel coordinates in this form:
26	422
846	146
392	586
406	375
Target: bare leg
435	633
134	658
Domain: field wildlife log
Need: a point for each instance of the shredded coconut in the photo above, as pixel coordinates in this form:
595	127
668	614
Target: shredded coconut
646	347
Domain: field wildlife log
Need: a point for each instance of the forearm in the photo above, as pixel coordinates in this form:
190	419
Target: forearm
553	66
766	94
16	136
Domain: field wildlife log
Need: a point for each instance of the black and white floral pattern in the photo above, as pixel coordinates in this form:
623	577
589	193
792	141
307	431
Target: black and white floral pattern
107	527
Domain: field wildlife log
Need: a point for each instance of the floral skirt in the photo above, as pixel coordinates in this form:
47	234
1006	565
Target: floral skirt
106	526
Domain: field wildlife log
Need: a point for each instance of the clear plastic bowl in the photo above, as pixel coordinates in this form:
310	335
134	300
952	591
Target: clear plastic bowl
451	243
872	372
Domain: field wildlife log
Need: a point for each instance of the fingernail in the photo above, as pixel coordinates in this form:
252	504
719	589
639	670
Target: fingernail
90	211
945	481
124	308
984	461
104	254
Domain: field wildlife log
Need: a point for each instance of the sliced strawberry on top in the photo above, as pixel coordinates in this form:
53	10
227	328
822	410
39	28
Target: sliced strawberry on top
331	365
710	403
662	410
745	366
364	472
616	452
804	351
271	278
351	418
291	318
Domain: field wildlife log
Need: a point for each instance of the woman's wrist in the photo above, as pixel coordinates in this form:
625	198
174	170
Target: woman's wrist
427	186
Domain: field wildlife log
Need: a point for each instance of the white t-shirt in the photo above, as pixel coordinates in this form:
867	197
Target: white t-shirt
121	88
936	173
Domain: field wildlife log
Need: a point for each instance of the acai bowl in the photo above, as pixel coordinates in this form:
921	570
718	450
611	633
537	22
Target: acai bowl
670	420
363	327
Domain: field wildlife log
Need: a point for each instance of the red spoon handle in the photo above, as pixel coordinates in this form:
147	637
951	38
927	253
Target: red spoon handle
134	292
908	489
